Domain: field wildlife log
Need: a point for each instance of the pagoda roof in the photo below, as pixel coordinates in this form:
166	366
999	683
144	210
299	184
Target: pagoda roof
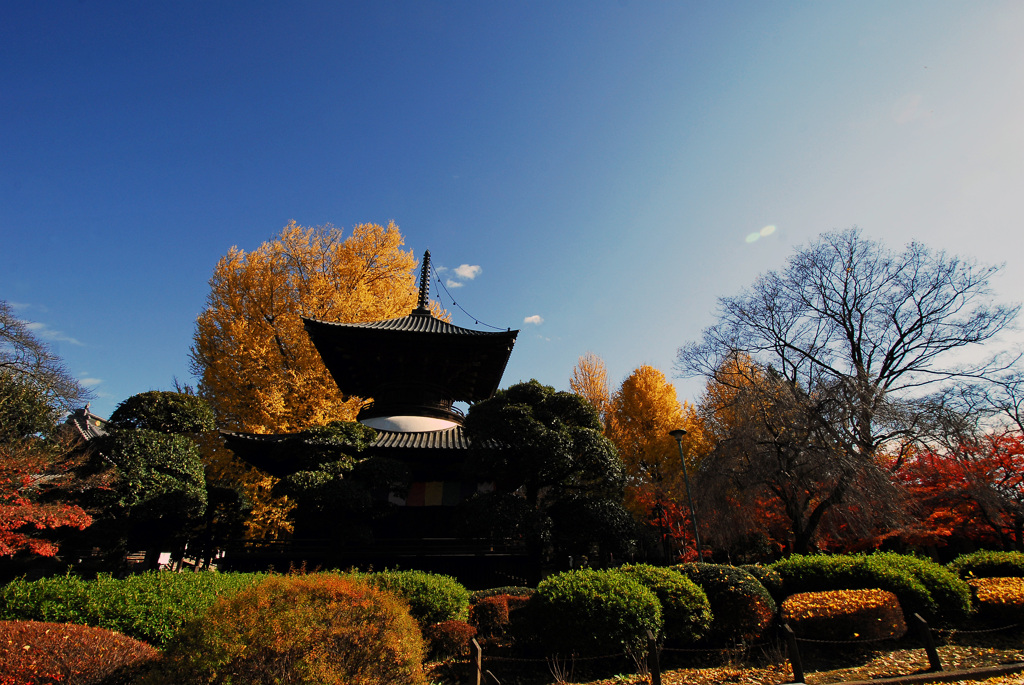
419	349
264	451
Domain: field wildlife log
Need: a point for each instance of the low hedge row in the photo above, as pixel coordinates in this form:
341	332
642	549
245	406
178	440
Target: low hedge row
921	585
988	564
149	606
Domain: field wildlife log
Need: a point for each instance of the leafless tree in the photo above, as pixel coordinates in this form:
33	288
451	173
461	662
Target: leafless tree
27	358
854	338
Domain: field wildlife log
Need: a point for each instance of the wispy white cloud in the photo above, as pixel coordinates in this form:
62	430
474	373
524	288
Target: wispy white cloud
536	319
90	382
453	284
468	271
47	333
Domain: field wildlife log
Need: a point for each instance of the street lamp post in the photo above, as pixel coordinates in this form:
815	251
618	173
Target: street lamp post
678	434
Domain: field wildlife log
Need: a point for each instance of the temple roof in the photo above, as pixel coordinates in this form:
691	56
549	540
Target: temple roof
415	359
269	453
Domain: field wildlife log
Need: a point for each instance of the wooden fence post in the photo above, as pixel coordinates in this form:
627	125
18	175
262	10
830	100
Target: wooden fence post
477	661
934	664
794	654
653	660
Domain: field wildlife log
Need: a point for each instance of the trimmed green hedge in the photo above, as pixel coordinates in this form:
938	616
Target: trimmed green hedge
149	606
684	606
988	564
592	612
432	598
921	585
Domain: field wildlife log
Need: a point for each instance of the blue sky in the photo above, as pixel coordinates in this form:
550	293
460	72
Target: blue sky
603	164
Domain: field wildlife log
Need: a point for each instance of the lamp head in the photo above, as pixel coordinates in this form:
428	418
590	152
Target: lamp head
678	434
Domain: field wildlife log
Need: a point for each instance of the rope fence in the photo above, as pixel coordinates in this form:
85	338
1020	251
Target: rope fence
654	650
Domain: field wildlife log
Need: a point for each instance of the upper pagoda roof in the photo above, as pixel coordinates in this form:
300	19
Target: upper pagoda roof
406	357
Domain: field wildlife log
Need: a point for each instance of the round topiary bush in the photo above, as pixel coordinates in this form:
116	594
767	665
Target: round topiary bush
593	612
741	606
684	606
769	577
1000	600
845	615
38	652
988	564
432	598
315	629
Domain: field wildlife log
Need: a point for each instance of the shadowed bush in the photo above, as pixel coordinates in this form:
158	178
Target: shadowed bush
684	606
740	606
317	629
449	639
845	615
37	653
1000	600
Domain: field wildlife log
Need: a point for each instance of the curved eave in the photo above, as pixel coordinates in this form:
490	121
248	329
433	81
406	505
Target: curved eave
418	349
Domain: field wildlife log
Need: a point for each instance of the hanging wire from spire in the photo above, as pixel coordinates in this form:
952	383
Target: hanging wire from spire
456	304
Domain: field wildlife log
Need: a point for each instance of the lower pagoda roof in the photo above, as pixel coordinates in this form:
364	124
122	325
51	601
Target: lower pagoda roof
264	450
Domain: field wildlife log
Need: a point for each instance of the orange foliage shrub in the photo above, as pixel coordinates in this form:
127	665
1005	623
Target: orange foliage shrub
845	614
490	615
449	639
999	599
322	629
36	653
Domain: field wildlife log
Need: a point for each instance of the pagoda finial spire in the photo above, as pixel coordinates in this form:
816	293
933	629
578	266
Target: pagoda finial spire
424	301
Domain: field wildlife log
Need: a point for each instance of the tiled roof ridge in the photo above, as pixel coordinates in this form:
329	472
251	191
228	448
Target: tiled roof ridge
418	321
449	438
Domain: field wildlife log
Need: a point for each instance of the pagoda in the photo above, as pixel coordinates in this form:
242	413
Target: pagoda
415	369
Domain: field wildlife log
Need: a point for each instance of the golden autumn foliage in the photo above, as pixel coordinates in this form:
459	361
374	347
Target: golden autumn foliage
999	598
590	381
845	614
641	414
255	363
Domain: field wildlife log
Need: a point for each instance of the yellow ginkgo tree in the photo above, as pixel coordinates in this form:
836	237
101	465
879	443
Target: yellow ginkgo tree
256	365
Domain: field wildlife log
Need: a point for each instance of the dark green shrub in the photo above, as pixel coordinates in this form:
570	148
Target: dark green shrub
149	606
315	629
988	564
593	612
922	586
845	615
449	639
741	607
165	412
432	598
768	577
511	590
684	606
35	652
